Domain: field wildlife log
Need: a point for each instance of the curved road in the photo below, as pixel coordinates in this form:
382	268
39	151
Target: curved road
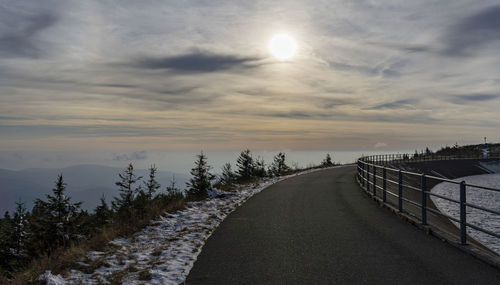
320	228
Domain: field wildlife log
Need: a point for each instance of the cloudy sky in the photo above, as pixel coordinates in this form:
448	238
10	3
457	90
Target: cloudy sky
188	75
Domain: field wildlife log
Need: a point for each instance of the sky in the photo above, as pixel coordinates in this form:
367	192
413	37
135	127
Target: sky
125	77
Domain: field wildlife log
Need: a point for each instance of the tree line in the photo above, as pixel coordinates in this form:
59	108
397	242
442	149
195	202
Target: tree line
56	222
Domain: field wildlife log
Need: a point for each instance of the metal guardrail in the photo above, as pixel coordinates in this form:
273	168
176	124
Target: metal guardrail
408	191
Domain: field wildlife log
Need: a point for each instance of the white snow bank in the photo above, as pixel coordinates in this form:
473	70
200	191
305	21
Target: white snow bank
165	251
475	196
52	279
492	166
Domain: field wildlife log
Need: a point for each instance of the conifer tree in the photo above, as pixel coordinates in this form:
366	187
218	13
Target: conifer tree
59	204
416	155
279	166
126	188
260	168
245	165
172	189
151	185
327	161
20	234
6	244
428	151
55	221
41	228
201	181
102	212
227	177
63	212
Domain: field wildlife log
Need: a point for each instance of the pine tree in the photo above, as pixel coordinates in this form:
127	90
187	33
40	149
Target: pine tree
54	222
327	161
126	188
416	155
63	212
246	166
6	245
59	204
259	168
19	235
201	181
227	177
102	212
172	189
151	185
428	151
41	229
279	166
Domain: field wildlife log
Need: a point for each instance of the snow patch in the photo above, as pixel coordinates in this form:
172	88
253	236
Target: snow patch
492	166
165	251
475	196
52	279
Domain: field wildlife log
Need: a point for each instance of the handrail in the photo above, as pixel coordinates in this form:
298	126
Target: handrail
373	173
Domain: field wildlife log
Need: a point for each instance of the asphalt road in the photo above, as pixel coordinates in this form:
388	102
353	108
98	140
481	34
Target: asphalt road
320	228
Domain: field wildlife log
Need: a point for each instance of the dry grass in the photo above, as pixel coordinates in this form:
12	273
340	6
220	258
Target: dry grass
157	252
145	275
63	259
116	277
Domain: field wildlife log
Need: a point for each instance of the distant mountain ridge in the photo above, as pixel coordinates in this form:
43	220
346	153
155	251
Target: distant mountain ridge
86	183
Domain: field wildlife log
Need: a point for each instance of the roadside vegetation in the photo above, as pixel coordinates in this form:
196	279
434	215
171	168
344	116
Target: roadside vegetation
57	233
479	150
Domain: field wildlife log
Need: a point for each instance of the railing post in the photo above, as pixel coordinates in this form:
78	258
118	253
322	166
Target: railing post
358	163
463	214
363	174
384	184
367	173
368	178
423	188
374	189
400	191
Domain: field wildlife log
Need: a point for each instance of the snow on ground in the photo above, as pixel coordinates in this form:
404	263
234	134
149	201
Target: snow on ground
475	196
492	166
165	251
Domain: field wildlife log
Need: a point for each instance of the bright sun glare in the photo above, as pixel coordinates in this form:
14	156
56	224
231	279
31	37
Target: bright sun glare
282	46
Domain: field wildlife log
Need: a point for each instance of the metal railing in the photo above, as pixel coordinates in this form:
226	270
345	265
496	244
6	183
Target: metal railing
383	159
409	192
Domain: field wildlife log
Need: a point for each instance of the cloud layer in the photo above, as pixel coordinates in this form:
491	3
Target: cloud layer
197	75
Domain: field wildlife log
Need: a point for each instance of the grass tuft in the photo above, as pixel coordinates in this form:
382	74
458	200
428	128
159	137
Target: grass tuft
145	275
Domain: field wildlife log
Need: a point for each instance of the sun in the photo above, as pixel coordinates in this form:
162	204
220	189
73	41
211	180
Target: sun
282	46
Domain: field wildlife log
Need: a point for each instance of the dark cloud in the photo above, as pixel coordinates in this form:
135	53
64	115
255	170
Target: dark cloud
409	48
474	98
117	85
399	104
197	62
9	118
19	39
473	32
415	48
329	103
137	155
177	91
378	70
292	115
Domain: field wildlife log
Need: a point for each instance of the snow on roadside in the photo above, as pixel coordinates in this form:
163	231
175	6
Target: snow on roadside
476	196
492	166
52	279
165	251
